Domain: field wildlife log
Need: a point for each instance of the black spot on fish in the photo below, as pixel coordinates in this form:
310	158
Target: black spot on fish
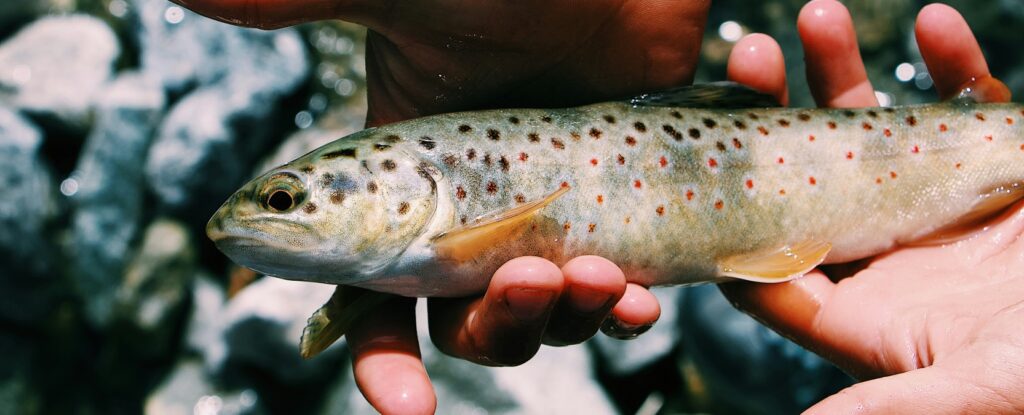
737	143
326	179
641	127
677	115
345	152
403	208
427	143
594	132
558	144
740	124
308	169
694	133
849	113
784	123
832	125
503	162
889	110
720	146
803	117
980	116
492	187
533	137
520	198
487	159
465	128
381	147
388	165
575	136
493	134
670	130
471	154
753	116
450	159
545	119
872	113
710	123
309	208
392	139
513	120
609	119
337	197
371	187
912	121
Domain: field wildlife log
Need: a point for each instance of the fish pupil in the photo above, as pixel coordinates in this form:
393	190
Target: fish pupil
280	201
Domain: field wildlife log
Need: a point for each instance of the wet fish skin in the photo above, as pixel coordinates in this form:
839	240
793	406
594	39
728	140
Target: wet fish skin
667	193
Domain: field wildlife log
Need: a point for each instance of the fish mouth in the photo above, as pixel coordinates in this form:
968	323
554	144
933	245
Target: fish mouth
261	233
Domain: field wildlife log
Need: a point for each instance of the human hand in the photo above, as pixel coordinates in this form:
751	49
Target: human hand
937	328
426	57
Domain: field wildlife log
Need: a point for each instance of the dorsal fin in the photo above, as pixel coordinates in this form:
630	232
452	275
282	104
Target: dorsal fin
464	243
713	95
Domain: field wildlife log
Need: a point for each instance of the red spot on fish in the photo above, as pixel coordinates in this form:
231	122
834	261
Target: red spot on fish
523	157
782	160
565	184
867	126
630	141
520	198
849	155
980	116
878	180
812	180
593	162
811	138
1022	147
621	159
600	199
719	205
832	125
960	165
943	127
567	226
712	162
750	184
689	195
916	150
892	174
637	184
592	227
782	192
988	138
736	143
888	132
460	193
628	220
660	210
762	130
492	187
663	161
1009	121
912	120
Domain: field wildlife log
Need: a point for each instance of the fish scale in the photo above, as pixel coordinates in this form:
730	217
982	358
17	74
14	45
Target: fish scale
673	195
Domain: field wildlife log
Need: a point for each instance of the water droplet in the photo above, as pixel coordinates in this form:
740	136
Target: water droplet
303	119
117	8
730	31
69	186
884	99
345	87
174	15
318	102
905	72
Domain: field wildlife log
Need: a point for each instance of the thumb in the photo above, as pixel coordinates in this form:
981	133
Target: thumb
932	390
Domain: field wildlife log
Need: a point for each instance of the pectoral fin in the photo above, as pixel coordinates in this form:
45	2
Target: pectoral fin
985	208
334	319
777	265
466	242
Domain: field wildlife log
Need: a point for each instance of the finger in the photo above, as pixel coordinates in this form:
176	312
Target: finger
270	14
951	52
633	315
386	360
756	61
592	287
835	70
931	390
504	327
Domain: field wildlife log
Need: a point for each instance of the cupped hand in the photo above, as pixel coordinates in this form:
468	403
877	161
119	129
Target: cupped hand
933	329
432	56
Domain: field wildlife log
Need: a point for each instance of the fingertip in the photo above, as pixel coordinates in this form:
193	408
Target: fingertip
835	70
527	273
595	272
949	48
757	61
395	384
634	314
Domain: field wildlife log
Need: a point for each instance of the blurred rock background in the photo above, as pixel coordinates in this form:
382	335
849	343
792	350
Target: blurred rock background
124	123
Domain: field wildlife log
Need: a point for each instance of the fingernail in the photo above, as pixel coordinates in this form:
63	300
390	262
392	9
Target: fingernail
527	304
588	301
613	327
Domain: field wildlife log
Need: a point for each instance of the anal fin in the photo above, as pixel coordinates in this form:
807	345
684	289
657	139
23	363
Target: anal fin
778	265
335	318
466	242
988	205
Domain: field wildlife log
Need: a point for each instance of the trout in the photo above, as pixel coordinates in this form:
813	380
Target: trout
692	185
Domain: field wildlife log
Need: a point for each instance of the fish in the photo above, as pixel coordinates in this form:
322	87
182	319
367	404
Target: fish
698	184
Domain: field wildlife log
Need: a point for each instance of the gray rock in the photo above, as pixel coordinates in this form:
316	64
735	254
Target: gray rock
28	204
625	357
260	327
189	391
52	68
556	381
745	367
110	188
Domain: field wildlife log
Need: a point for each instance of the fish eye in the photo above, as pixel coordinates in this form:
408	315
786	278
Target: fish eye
280	201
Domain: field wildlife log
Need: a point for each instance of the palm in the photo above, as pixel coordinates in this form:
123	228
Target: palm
953	303
421	60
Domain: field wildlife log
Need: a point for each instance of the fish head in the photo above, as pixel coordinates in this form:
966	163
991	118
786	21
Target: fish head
340	214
